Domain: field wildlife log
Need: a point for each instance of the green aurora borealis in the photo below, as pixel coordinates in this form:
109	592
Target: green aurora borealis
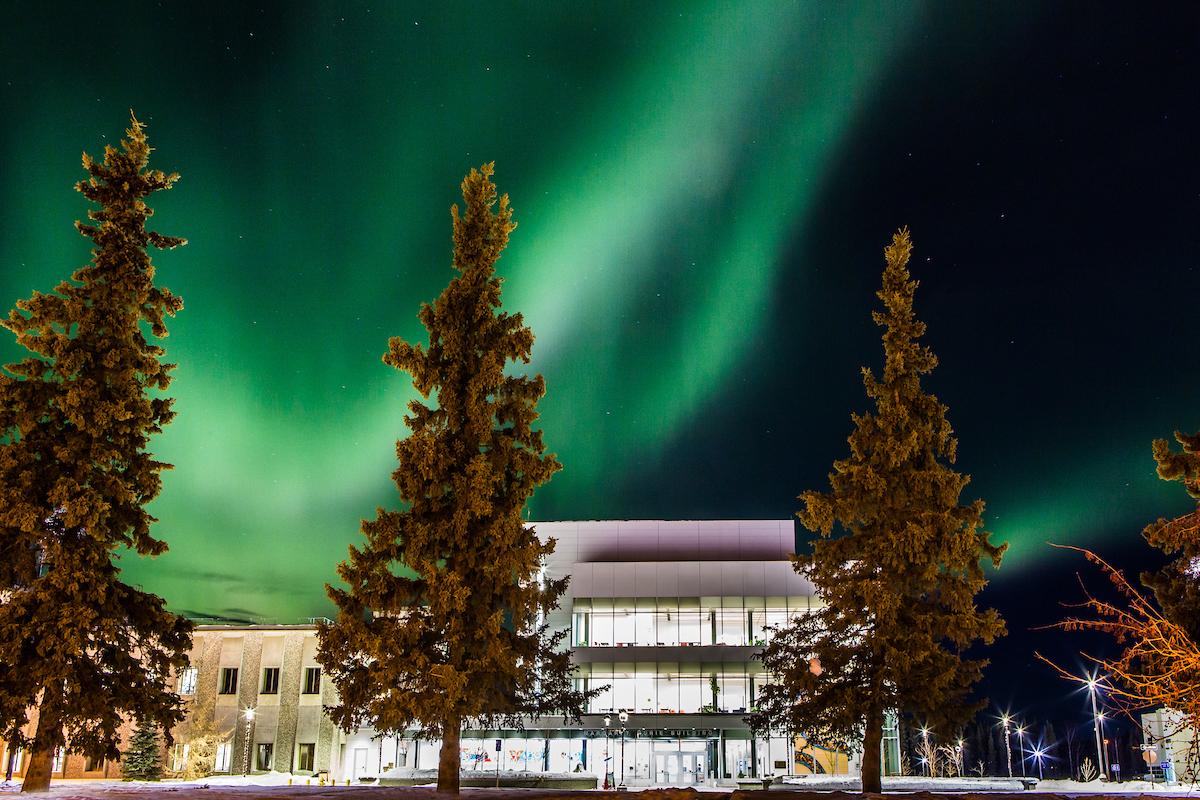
702	194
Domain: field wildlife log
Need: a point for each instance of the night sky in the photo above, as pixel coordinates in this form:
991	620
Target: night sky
703	195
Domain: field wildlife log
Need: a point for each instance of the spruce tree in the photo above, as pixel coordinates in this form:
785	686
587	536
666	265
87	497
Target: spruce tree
1176	586
143	760
76	417
898	586
442	623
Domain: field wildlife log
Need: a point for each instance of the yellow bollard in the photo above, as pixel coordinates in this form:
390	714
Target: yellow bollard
289	781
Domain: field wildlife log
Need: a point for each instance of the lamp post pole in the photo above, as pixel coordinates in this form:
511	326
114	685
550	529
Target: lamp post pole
1021	742
1007	743
925	753
246	752
1097	718
607	757
624	717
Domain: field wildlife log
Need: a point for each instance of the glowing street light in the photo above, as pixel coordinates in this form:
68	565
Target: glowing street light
1021	742
924	759
1093	686
1038	755
607	758
249	714
1007	743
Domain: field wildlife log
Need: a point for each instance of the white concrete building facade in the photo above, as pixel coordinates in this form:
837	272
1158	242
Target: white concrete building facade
666	615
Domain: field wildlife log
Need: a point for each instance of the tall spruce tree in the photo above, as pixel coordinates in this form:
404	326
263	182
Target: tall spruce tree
898	586
76	418
442	624
1176	586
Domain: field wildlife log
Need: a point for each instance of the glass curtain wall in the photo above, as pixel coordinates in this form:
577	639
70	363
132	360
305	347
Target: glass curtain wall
663	687
681	621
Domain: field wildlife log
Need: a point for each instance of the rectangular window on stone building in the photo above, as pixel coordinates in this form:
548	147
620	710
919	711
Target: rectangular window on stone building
91	764
187	681
263	762
270	682
312	680
221	763
229	676
307	752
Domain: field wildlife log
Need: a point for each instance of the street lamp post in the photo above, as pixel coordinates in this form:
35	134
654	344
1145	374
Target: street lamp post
607	757
1039	754
624	717
1007	743
1021	742
925	754
1097	719
249	714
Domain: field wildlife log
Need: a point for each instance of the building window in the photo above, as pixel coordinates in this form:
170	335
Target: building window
187	681
92	764
179	754
270	682
263	760
59	759
229	681
307	752
312	680
221	762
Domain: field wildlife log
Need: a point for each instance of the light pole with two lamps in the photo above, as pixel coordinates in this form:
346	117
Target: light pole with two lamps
1093	685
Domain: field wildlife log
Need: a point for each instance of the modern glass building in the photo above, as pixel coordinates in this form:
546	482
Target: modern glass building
665	615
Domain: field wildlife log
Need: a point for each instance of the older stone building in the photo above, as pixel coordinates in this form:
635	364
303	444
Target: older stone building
261	683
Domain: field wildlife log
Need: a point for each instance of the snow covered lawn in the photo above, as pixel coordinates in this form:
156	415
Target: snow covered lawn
274	786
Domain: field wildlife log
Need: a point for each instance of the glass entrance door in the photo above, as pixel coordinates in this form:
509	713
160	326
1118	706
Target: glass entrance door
682	765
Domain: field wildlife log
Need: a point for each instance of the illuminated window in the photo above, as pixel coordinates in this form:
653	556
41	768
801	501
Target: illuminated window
187	681
221	764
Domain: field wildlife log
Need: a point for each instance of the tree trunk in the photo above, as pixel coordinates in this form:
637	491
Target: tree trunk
872	766
449	760
37	771
41	755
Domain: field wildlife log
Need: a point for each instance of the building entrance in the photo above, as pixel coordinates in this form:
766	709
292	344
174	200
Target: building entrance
679	763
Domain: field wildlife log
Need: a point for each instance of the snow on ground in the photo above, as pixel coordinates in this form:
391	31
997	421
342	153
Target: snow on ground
274	786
